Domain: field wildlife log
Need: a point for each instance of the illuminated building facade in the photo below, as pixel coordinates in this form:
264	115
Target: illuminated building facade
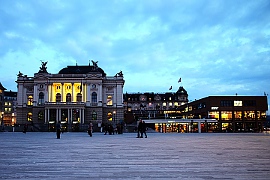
75	96
10	101
2	89
155	106
234	113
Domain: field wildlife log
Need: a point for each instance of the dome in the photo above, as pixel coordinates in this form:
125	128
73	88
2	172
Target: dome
81	70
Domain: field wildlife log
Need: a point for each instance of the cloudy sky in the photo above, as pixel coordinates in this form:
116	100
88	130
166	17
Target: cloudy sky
217	47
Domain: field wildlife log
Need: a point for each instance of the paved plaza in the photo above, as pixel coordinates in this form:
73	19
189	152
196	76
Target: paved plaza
192	156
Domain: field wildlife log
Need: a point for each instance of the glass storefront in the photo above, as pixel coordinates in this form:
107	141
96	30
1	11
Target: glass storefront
226	115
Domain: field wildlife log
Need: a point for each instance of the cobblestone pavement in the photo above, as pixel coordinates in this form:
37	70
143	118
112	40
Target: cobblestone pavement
205	156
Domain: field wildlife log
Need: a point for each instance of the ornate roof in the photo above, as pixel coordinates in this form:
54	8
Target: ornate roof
181	91
2	87
81	70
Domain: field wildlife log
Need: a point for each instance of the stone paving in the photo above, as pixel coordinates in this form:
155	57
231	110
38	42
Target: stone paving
205	156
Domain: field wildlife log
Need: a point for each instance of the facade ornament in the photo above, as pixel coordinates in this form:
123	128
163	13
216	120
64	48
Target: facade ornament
43	68
120	74
20	74
95	64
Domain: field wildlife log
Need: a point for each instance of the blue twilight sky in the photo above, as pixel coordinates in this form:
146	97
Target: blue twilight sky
217	47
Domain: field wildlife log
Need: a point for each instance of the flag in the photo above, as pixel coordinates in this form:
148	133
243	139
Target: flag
179	80
170	88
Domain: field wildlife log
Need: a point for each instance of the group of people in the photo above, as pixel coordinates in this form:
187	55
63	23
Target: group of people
141	130
112	128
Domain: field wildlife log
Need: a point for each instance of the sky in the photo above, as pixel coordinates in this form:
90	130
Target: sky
216	47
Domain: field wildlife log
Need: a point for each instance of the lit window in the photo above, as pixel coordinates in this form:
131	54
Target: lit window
30	100
94	115
29	116
237	103
109	100
109	116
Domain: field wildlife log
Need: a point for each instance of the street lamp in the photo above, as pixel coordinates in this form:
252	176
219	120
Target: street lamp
2	120
114	120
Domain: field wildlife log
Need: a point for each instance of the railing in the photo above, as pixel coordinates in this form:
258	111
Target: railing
64	103
73	103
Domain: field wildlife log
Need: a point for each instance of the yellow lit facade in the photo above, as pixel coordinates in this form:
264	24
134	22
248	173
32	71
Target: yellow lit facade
75	96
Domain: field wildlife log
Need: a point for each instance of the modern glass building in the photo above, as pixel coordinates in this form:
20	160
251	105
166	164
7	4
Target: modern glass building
234	113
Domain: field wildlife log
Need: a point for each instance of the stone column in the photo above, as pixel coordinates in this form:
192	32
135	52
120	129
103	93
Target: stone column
62	92
72	95
199	126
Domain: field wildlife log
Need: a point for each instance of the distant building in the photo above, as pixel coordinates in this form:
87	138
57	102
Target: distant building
234	113
2	89
10	101
154	105
75	96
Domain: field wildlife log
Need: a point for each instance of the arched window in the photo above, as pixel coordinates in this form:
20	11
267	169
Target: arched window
109	116
29	116
68	97
41	116
58	97
94	115
94	97
109	100
79	97
41	98
30	100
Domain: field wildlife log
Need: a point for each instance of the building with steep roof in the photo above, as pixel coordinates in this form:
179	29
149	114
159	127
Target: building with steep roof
154	105
75	96
2	89
10	101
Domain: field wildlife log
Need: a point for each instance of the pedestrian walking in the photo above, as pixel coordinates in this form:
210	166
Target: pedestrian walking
58	129
90	129
106	128
143	130
139	129
25	127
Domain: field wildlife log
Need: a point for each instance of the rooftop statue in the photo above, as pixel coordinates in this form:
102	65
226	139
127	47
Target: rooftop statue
95	64
20	74
43	68
120	74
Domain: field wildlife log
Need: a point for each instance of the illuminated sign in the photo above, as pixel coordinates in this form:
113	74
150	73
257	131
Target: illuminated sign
237	103
214	108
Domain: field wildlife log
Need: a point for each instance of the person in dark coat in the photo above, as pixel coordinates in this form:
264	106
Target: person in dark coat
106	128
58	129
90	129
143	130
139	129
25	127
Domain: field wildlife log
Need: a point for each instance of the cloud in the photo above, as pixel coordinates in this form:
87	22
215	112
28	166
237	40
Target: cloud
217	47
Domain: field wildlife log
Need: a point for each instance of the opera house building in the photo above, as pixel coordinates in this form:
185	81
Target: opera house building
75	96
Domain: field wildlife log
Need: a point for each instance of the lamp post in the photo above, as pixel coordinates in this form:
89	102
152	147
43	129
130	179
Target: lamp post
2	120
114	113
